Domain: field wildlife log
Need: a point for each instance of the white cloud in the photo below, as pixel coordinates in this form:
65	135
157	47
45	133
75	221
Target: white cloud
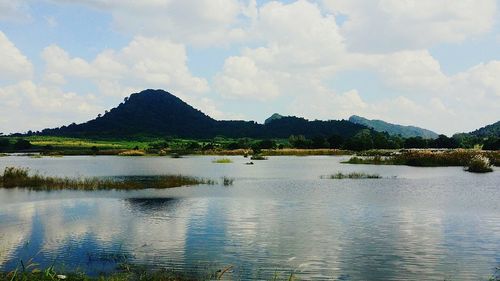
241	78
15	65
389	25
301	46
14	10
197	22
410	71
143	63
27	106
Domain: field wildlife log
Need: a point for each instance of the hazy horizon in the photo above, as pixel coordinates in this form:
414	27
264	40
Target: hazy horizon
431	64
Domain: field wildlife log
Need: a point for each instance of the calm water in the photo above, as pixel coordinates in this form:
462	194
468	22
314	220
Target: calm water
415	224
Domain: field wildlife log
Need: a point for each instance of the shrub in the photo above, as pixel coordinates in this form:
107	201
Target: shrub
479	164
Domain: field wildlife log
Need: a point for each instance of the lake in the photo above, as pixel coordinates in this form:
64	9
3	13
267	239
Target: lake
277	217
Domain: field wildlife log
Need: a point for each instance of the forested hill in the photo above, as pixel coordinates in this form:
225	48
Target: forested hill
492	130
159	113
394	129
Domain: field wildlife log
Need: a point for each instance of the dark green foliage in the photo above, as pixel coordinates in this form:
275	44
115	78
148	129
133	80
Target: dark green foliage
264	144
492	143
492	130
335	141
416	142
22	144
4	144
361	141
444	142
299	141
319	142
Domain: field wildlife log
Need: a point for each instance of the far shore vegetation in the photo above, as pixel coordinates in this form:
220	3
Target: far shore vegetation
366	147
13	177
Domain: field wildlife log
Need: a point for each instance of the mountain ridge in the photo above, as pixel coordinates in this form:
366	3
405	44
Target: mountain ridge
394	129
159	113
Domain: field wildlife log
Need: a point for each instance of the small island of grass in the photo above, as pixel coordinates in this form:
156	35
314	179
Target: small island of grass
222	161
20	177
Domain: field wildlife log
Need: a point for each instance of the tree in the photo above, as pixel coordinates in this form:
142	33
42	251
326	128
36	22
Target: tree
298	141
360	141
335	141
4	144
415	142
22	144
445	142
319	142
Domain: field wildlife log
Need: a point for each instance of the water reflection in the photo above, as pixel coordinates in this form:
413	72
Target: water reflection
391	229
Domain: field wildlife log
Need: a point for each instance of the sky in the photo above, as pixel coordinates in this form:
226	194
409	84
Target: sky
429	63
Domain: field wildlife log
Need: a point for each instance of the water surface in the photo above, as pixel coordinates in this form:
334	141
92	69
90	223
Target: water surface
279	216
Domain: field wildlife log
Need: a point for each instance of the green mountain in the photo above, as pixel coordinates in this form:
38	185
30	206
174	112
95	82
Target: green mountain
492	130
394	129
159	113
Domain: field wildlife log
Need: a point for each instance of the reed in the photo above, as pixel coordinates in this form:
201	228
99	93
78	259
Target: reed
20	177
132	153
479	164
226	181
428	158
353	175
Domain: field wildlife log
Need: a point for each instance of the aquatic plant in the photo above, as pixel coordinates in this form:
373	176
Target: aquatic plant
20	177
479	164
226	181
222	161
352	175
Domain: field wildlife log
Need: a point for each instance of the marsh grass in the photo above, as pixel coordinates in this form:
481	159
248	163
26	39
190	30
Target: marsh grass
353	175
222	161
125	272
132	153
428	158
20	177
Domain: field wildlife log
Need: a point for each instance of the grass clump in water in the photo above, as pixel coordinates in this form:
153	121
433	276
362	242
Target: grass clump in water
258	157
20	177
226	181
479	164
222	161
353	175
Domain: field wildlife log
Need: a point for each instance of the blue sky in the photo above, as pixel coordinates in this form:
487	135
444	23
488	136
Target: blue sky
428	63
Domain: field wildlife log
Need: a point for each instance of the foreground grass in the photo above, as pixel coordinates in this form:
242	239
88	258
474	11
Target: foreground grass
20	177
353	175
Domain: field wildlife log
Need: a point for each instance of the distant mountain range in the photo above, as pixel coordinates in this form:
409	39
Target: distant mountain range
159	113
394	129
